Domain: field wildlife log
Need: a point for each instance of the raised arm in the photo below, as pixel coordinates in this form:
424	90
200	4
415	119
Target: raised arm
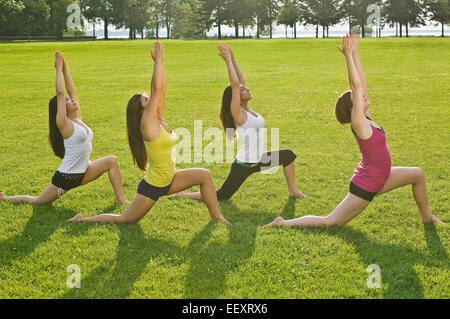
237	68
62	121
151	110
70	86
359	66
359	122
162	102
238	114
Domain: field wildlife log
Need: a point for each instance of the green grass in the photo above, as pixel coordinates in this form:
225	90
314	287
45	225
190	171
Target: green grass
174	252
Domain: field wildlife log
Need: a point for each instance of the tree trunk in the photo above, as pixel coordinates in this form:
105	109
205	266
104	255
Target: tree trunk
317	31
443	35
257	27
328	31
93	27
363	30
106	28
323	32
349	24
220	31
157	30
243	32
401	30
236	30
168	28
396	30
295	30
407	29
131	33
270	27
286	31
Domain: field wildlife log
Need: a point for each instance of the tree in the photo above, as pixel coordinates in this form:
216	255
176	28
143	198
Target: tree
239	13
325	13
213	14
289	15
188	22
405	13
97	9
266	12
168	11
27	17
439	11
58	16
357	9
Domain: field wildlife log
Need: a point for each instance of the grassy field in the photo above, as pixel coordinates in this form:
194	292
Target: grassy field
175	252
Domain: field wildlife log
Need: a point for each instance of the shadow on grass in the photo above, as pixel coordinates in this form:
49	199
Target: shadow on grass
211	260
396	262
46	219
116	278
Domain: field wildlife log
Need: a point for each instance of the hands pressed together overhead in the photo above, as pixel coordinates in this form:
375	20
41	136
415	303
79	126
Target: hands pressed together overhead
350	44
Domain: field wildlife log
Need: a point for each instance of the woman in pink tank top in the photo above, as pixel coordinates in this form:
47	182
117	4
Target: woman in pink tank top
374	174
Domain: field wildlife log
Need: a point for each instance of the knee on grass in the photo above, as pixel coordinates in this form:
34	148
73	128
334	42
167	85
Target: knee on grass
333	222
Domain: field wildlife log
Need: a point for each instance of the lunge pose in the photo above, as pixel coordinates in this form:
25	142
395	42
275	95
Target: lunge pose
374	174
237	117
151	142
71	139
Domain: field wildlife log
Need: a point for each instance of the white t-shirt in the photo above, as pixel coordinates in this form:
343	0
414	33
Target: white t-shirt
252	137
78	149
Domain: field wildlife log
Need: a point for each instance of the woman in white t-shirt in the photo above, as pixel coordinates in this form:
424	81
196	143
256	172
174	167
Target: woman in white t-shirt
237	116
71	140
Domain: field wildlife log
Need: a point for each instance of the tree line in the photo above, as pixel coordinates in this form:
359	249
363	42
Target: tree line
193	18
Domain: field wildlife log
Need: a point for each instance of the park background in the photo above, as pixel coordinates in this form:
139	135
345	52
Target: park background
200	19
175	252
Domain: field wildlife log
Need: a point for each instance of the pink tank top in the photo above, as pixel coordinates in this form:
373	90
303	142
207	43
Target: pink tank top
375	166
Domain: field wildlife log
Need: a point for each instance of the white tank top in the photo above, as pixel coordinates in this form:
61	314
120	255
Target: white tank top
78	149
252	137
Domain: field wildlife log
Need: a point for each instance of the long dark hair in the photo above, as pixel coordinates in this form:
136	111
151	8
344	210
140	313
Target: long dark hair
55	137
225	113
135	138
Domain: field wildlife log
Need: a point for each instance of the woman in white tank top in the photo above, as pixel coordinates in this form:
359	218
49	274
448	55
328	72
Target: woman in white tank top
237	116
71	140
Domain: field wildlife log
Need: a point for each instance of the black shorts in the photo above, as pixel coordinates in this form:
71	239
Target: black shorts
361	193
67	181
152	192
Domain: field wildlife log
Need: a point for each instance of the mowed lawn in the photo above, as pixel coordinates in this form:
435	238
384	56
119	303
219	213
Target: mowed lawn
175	252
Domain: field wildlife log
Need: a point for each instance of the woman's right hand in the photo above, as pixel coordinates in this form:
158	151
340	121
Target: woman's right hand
157	52
224	52
348	44
59	62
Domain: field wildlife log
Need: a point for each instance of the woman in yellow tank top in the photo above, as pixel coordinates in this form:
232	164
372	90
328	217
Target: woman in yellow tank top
151	143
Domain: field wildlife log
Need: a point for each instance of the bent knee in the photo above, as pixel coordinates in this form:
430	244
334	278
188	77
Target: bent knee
419	173
205	174
113	161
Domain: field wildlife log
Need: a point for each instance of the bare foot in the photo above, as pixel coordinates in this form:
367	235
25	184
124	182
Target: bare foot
297	193
220	219
77	218
2	195
432	220
276	223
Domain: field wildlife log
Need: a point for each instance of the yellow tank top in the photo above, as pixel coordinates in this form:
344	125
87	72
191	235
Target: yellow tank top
161	163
